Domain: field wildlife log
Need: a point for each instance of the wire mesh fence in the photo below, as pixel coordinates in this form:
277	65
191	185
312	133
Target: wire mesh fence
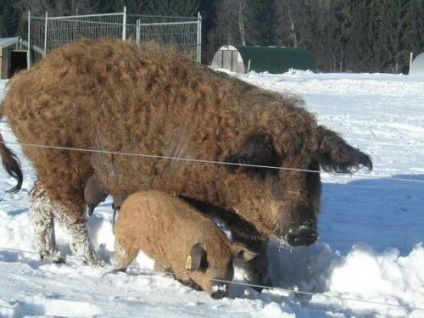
47	33
182	33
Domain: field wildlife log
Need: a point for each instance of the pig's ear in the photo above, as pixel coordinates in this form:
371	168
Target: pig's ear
336	155
257	149
196	260
242	252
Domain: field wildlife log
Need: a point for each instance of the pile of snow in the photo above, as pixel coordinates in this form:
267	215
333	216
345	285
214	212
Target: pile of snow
369	261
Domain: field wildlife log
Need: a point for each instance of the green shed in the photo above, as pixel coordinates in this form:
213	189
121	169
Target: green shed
272	59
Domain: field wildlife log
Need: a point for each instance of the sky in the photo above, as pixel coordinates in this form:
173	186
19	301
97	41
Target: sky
368	262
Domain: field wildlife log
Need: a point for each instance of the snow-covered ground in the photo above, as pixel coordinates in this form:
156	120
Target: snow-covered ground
369	261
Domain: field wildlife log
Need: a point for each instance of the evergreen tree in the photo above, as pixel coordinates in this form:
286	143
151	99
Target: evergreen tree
412	31
185	8
260	22
354	35
227	29
9	18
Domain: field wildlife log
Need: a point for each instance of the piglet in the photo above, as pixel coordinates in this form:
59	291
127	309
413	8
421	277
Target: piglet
179	239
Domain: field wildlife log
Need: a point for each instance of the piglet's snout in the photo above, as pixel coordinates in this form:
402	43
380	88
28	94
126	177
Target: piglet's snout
219	291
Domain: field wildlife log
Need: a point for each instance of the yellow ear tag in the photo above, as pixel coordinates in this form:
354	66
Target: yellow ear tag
188	262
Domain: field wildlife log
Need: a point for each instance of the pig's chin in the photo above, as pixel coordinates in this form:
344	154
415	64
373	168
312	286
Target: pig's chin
276	236
280	240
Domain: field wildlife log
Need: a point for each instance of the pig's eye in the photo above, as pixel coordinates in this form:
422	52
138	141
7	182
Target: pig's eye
256	150
262	173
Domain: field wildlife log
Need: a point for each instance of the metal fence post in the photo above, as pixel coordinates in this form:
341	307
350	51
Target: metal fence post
124	25
199	37
45	34
137	31
29	41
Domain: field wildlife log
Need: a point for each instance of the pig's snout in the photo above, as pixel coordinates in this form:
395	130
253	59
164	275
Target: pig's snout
302	236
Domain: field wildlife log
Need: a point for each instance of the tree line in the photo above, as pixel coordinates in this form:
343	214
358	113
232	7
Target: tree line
343	35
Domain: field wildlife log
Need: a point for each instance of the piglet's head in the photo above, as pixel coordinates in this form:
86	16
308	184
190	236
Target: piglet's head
210	266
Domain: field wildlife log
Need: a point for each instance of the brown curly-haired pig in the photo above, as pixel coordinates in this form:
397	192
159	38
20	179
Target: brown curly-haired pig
119	98
178	238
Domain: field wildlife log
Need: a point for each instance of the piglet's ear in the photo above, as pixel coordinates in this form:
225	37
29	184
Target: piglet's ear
257	149
336	155
196	260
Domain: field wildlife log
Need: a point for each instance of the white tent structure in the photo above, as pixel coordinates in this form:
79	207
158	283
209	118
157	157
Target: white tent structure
228	57
417	66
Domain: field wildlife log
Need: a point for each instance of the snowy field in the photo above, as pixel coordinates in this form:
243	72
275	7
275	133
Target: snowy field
369	261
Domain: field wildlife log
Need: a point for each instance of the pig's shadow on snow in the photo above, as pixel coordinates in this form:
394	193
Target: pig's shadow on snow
17	212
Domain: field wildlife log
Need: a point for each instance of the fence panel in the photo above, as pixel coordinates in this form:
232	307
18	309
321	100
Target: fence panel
48	33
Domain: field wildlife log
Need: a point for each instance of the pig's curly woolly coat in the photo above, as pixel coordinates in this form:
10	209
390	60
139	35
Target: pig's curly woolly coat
73	98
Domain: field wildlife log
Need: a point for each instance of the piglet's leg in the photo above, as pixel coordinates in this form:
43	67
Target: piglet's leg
163	267
123	256
42	221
